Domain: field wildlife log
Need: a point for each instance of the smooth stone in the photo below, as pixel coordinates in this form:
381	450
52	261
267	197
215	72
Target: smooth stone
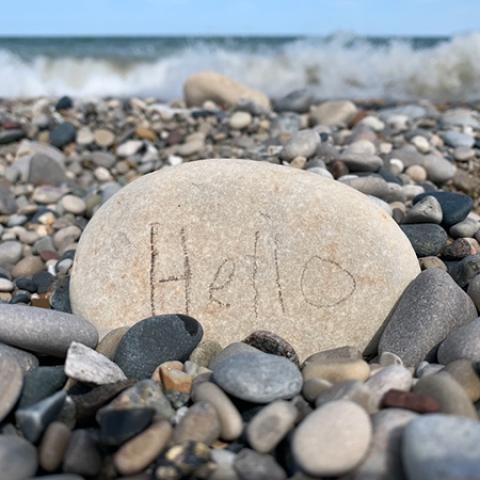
129	148
333	112
8	204
427	210
26	361
302	144
335	370
10	252
62	135
269	342
393	377
44	331
6	285
258	377
219	274
461	343
383	460
45	170
64	103
205	352
118	426
240	120
449	394
415	402
156	340
223	460
229	351
464	270
465	229
103	159
64	476
86	365
222	90
104	137
441	447
11	382
465	374
231	424
40	383
297	101
109	343
11	135
28	266
427	239
18	458
387	359
82	456
144	394
458	249
199	424
361	162
431	307
138	453
346	352
455	206
251	465
352	390
456	139
340	430
53	446
270	425
73	204
33	420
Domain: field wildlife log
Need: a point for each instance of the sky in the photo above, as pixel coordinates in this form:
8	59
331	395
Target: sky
246	17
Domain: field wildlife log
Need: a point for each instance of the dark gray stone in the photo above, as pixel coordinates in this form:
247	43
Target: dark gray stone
441	447
11	135
461	342
63	134
251	465
465	270
298	101
258	377
45	170
82	456
431	306
427	239
155	340
40	383
18	458
8	205
64	103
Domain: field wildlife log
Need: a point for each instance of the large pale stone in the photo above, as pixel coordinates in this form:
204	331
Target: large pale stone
242	246
223	90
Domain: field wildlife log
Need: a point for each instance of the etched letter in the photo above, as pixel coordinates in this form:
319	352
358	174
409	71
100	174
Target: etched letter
223	277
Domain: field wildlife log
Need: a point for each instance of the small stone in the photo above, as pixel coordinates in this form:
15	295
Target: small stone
451	397
251	465
11	135
457	139
129	148
393	377
10	253
155	340
258	377
462	342
337	112
45	170
441	447
11	382
63	134
33	420
335	370
240	120
103	137
303	144
53	446
85	136
429	309
410	401
341	430
361	162
146	134
73	204
6	285
118	426
352	390
340	353
103	159
82	456
388	358
457	250
28	266
270	425
64	103
223	460
427	239
269	342
40	383
465	229
18	458
427	210
139	452
199	424
86	365
231	424
465	374
43	331
205	352
26	361
109	343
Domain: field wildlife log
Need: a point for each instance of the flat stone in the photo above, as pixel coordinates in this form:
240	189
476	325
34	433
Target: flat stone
53	446
361	162
430	308
139	452
104	137
11	382
44	331
427	239
86	365
415	402
73	204
251	465
457	139
175	247
26	361
156	340
40	383
427	210
461	342
341	430
335	112
231	424
270	425
449	394
455	206
335	370
441	446
18	458
220	89
82	456
258	377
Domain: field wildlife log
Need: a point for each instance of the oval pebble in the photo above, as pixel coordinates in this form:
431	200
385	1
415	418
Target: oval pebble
11	382
18	458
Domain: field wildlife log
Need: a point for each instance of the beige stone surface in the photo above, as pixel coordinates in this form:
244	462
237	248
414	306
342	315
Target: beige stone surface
242	246
204	86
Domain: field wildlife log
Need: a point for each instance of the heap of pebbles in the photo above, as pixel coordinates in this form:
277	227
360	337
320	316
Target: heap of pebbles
157	401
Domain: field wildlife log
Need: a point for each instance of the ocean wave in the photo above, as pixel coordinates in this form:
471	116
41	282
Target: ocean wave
333	68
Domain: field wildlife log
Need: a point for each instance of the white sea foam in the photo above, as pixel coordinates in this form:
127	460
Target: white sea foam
332	69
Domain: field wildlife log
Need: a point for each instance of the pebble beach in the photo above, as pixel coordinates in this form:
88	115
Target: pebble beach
92	389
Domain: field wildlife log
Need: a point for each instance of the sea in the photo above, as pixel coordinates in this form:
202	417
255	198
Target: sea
342	65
